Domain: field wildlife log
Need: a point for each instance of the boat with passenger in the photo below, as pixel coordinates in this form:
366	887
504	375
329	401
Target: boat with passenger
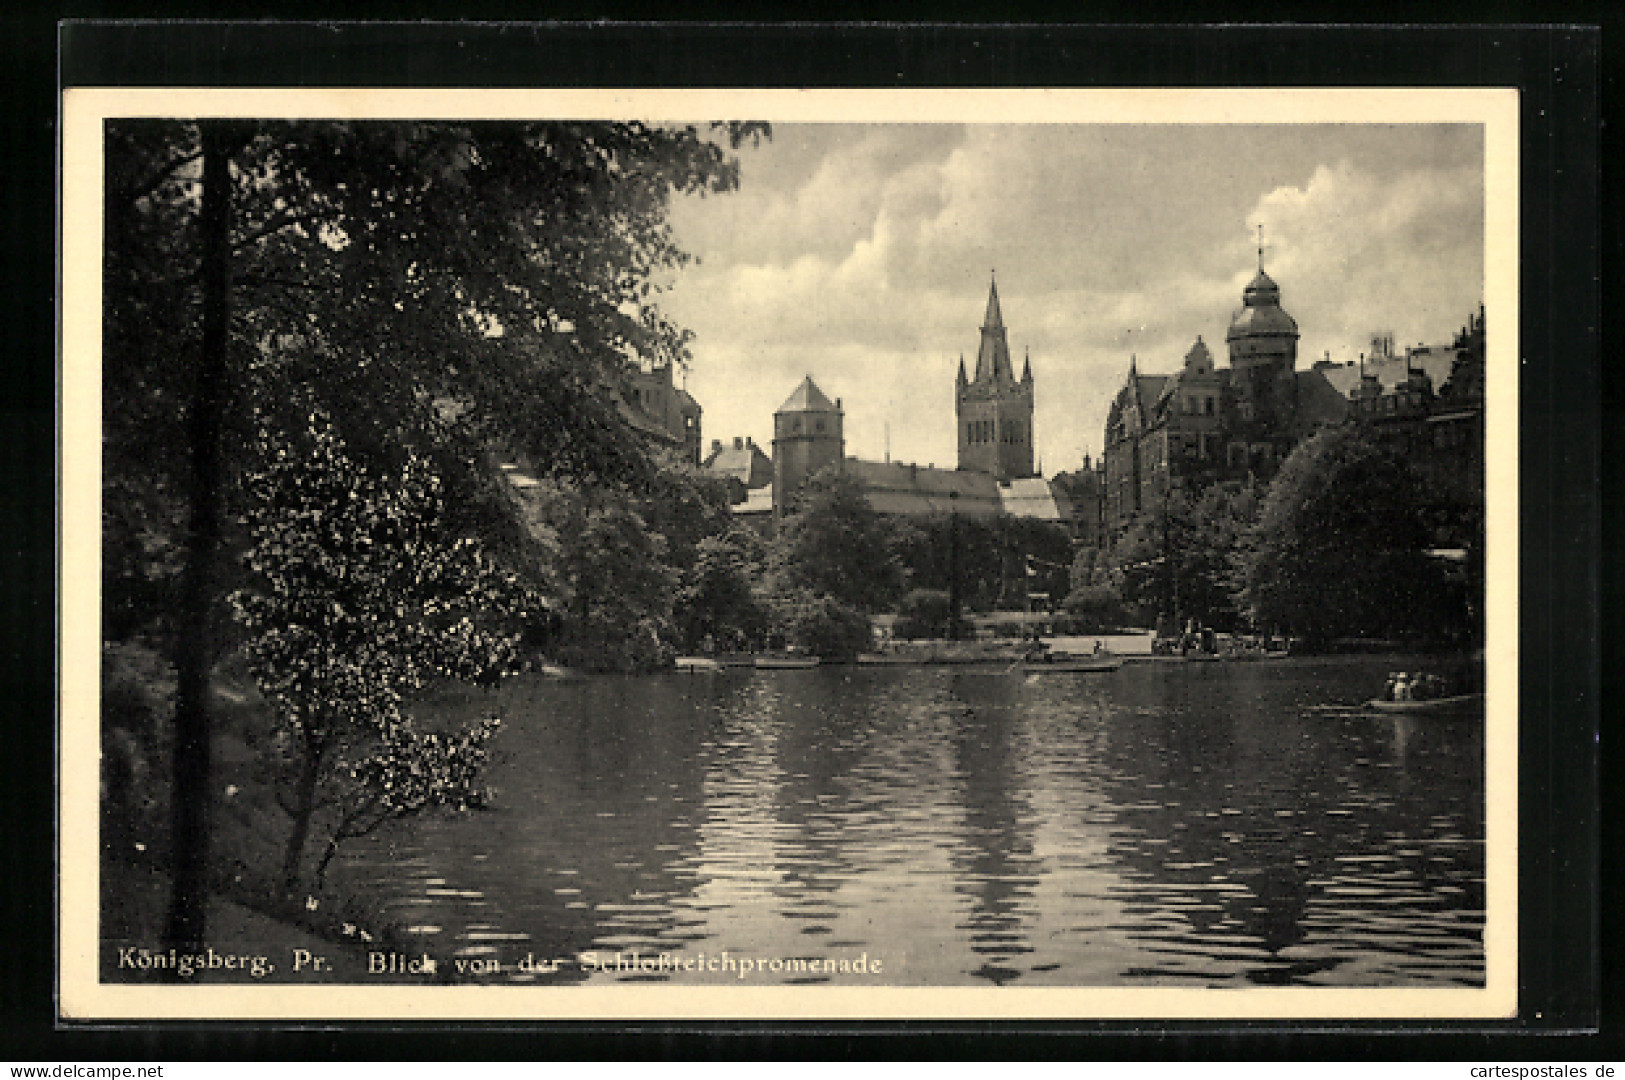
1423	693
1455	703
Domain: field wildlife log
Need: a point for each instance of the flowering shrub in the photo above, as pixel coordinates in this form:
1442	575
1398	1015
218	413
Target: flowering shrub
359	600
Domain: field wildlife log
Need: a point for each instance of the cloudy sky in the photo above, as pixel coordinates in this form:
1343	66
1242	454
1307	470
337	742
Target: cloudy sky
861	254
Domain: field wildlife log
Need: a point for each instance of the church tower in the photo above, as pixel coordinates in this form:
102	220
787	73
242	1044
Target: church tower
994	410
807	438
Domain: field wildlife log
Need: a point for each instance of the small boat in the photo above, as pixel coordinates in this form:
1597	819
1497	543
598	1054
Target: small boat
768	663
1455	703
1064	665
697	663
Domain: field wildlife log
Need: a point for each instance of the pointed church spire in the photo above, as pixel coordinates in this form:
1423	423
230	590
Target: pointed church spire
993	320
962	369
993	357
1260	247
1027	366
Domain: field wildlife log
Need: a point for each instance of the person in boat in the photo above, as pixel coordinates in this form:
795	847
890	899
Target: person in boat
1402	687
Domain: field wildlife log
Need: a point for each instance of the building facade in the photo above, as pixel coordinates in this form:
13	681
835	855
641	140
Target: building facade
657	406
1204	424
1438	424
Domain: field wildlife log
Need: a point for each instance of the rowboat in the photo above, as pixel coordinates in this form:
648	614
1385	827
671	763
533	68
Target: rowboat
1064	666
697	663
768	663
1456	703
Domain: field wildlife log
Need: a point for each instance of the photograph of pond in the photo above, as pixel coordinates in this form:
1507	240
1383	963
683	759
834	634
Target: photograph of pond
589	546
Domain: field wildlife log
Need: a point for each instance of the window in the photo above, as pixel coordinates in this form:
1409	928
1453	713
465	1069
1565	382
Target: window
818	426
1209	404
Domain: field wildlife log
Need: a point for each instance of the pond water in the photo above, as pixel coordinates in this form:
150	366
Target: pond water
1166	824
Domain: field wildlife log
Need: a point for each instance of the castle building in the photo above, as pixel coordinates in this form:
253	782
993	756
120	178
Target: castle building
808	437
1204	424
994	410
995	477
653	404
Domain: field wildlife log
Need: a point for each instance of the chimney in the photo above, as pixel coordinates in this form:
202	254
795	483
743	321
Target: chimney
749	442
716	444
739	444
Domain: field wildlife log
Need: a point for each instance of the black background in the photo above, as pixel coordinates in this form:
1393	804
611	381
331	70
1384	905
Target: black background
1569	400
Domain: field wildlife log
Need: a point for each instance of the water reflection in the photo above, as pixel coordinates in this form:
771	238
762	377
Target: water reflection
1198	824
994	861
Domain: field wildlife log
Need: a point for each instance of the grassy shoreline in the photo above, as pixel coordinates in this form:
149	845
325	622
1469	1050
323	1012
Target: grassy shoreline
251	911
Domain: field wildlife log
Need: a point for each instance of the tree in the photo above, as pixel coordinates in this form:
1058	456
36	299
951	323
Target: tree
1035	557
715	601
970	549
821	625
1096	607
1221	520
1177	561
1339	547
360	598
834	544
611	571
924	613
508	268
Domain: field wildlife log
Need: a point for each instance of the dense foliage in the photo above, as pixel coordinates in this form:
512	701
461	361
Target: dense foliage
359	598
924	613
717	607
501	272
1340	545
996	562
1178	561
510	268
834	544
819	624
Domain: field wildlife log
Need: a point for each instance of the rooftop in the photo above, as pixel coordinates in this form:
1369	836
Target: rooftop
807	398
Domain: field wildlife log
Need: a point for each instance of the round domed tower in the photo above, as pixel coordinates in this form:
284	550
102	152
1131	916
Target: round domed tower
1261	334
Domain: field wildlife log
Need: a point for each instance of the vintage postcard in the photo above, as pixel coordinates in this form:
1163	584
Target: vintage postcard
705	555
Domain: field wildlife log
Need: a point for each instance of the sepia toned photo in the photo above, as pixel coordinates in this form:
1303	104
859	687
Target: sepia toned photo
700	554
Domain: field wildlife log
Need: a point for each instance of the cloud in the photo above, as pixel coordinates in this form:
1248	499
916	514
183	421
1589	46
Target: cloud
1364	255
861	255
